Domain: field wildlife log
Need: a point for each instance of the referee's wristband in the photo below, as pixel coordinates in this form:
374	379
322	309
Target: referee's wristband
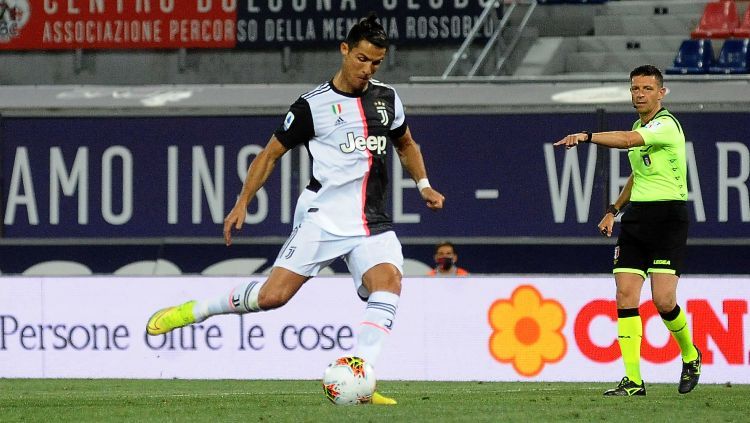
612	209
588	136
423	183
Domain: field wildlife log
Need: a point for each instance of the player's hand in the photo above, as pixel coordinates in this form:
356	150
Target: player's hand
432	199
606	225
234	220
572	140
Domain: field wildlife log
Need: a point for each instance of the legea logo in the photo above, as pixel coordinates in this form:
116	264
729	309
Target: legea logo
376	144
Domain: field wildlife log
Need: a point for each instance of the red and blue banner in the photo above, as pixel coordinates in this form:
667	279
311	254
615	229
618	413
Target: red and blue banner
226	24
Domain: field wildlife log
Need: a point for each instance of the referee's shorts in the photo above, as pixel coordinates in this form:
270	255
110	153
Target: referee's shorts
653	238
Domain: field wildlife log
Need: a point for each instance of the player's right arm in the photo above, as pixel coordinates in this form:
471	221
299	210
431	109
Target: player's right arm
257	174
296	129
608	221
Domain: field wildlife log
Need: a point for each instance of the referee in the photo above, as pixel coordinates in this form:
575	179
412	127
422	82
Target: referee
654	228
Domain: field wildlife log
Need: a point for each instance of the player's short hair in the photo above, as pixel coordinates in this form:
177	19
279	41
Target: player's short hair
369	29
445	244
648	70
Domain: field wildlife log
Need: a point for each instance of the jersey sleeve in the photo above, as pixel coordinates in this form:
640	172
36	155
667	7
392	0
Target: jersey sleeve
297	127
398	127
661	131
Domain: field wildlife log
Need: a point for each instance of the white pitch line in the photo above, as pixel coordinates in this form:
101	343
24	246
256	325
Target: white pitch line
486	194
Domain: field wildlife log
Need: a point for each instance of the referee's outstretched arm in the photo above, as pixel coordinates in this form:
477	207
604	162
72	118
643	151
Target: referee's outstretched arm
612	139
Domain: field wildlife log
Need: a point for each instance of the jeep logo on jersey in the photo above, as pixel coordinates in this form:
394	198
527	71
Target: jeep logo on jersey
373	143
380	107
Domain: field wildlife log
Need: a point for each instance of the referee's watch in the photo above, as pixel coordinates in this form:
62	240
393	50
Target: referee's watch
612	209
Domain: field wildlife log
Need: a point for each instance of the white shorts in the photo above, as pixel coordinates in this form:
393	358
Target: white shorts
309	249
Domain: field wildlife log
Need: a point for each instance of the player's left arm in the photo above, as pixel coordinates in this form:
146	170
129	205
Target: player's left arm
412	160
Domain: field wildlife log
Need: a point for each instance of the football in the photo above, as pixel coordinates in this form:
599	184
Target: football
349	380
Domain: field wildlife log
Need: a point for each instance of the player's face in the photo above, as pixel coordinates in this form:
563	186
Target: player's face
359	64
646	94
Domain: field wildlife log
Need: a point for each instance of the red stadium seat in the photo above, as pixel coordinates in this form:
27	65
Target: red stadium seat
719	20
743	31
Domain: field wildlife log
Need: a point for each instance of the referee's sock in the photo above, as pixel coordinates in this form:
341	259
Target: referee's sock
629	335
676	322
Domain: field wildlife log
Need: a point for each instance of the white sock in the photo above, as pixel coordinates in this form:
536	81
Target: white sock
241	299
376	325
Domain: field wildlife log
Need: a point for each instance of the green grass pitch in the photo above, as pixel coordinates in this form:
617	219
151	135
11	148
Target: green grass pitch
106	400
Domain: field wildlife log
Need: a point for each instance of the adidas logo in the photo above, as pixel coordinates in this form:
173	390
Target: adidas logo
339	121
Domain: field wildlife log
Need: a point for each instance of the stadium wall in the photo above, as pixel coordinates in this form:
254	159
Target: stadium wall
97	178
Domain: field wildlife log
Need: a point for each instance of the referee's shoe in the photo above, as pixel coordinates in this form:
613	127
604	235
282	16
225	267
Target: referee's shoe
626	388
691	372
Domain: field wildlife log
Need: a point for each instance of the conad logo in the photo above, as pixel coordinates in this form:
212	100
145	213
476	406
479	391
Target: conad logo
527	331
705	323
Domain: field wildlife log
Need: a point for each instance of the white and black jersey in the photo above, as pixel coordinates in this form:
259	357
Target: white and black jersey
347	137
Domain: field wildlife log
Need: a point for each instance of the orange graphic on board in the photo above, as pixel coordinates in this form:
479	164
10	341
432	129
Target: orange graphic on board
527	331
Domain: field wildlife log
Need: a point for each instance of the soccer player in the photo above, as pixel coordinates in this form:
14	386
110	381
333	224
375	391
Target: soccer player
345	124
653	236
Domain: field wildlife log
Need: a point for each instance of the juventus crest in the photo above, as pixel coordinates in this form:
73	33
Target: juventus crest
382	111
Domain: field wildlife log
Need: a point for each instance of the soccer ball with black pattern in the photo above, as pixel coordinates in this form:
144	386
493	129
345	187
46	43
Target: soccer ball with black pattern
349	380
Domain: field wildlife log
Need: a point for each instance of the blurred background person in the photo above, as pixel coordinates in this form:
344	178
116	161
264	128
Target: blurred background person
445	261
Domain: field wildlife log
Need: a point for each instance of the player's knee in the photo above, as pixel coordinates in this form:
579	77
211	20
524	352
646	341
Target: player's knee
393	285
384	277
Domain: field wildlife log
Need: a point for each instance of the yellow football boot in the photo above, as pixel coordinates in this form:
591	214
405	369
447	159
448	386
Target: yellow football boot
170	318
379	399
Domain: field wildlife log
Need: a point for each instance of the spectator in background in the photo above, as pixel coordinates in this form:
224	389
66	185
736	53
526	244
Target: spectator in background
445	261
